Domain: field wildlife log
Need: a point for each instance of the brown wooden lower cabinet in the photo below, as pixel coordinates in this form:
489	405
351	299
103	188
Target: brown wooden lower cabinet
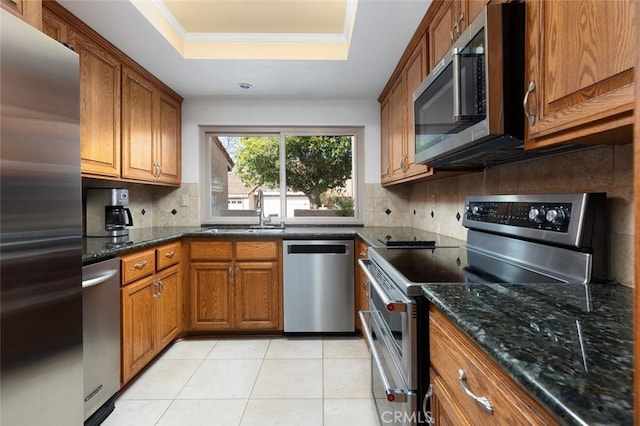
151	301
452	352
235	285
361	282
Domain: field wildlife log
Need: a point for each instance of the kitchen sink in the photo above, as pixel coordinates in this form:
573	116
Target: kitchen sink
253	229
264	229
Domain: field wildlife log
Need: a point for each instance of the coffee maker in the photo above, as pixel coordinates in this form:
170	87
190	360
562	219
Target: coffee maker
106	214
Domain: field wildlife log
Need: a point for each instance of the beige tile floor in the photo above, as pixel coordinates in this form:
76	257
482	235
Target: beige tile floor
321	381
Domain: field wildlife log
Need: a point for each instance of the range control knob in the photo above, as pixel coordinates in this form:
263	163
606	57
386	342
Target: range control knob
477	210
536	215
556	216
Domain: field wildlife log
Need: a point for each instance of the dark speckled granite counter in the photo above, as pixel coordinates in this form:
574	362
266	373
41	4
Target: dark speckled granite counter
569	346
96	249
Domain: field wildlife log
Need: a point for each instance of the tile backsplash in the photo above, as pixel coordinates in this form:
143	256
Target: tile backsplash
433	204
157	205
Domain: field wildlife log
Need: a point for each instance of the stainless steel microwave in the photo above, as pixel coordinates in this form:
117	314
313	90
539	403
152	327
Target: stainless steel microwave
468	111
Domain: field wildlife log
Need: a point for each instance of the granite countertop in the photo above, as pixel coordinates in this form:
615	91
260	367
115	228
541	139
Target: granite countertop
97	249
569	346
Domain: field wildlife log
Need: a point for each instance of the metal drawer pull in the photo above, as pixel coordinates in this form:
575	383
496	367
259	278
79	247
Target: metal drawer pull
170	254
230	280
482	400
141	265
426	405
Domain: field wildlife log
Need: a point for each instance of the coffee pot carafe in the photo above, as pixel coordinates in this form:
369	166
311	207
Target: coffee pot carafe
116	219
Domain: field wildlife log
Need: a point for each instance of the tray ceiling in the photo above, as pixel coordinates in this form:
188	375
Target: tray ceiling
254	29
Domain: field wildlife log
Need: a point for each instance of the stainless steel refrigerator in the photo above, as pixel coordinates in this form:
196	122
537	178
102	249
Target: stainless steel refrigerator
41	369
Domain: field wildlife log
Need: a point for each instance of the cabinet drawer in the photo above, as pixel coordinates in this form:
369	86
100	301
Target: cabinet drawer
167	255
256	250
138	265
211	250
452	351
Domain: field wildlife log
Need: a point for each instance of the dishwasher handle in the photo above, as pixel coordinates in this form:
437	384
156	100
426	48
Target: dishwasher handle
318	249
99	279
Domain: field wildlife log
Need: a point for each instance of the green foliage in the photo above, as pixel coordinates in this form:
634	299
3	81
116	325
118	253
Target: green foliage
257	161
314	164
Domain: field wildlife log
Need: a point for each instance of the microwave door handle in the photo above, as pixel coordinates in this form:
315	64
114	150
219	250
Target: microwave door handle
457	93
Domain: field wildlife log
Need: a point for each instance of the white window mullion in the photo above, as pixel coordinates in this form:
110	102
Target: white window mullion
283	178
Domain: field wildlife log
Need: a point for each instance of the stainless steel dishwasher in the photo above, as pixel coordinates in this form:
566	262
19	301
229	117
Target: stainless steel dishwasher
101	338
318	286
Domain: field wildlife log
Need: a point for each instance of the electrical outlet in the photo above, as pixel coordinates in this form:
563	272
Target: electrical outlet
184	202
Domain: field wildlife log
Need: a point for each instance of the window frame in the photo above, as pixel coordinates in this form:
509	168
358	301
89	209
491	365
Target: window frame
358	172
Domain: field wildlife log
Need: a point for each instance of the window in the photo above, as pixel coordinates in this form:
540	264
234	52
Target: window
302	175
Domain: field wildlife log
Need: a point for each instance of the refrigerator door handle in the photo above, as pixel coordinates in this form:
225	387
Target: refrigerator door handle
99	279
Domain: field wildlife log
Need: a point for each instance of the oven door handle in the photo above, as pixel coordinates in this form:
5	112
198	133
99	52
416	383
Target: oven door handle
390	305
393	394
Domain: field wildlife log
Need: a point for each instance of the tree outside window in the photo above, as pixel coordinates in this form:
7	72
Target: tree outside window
318	168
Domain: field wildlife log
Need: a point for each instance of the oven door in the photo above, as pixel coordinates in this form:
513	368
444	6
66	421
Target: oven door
396	316
394	402
389	328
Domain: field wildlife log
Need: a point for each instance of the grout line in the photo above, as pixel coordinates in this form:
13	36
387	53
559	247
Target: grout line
262	361
244	412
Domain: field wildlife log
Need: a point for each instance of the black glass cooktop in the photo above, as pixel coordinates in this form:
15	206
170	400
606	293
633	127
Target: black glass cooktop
452	265
415	238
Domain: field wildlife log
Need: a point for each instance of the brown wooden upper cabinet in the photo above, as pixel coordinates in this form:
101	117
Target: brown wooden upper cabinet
100	76
150	131
396	116
442	25
28	10
579	71
451	18
130	124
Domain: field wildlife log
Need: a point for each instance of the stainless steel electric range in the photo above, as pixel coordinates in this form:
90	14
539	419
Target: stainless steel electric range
544	239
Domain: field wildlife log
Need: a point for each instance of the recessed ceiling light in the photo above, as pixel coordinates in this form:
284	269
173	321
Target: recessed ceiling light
245	86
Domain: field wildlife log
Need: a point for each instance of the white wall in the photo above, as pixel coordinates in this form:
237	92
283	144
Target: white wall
278	112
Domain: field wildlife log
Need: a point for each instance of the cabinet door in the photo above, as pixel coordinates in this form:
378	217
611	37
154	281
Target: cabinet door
29	10
168	303
100	75
211	296
473	7
441	32
415	71
257	296
385	142
580	57
138	331
169	156
396	129
444	409
54	27
138	124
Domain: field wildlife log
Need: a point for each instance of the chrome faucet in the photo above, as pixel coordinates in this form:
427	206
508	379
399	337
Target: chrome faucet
260	210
